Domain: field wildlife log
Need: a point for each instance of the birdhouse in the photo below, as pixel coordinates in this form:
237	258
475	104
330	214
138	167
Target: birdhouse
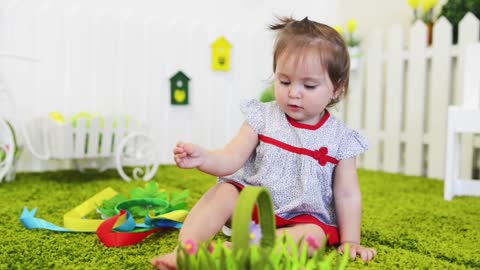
221	54
179	89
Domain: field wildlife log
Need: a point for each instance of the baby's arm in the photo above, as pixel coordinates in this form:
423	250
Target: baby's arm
348	203
220	162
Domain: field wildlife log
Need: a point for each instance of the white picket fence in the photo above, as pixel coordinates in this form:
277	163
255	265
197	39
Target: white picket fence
70	59
400	98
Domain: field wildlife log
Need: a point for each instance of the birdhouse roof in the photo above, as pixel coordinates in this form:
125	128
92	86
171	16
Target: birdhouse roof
180	76
221	42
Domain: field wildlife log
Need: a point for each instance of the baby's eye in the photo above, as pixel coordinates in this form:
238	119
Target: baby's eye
285	82
310	86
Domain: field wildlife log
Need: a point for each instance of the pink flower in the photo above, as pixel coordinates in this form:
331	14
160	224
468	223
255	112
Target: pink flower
190	246
312	242
211	248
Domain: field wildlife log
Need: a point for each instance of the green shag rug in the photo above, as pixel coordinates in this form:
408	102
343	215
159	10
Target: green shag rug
405	219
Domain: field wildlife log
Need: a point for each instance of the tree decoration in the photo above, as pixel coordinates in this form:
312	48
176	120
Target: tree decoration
455	10
179	89
221	54
143	202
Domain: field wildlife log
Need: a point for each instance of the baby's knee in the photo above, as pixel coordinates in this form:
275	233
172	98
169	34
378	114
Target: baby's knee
299	231
222	196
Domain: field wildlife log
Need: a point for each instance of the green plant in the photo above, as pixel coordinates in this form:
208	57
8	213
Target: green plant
17	153
144	201
271	253
268	94
455	10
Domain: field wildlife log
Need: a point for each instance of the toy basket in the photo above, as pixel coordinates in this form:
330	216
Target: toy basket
271	253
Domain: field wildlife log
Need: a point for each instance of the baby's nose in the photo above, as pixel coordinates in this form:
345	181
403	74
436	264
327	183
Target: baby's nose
294	92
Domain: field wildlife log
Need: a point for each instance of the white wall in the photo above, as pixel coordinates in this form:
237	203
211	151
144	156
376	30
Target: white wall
116	57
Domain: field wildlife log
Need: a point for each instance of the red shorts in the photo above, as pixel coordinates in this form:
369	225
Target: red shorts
330	231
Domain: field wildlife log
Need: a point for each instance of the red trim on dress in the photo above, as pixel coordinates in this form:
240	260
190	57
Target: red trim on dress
320	155
320	123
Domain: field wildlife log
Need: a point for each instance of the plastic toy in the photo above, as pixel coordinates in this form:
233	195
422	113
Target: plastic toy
158	208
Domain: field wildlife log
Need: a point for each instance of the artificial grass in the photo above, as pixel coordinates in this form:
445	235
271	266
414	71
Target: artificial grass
405	219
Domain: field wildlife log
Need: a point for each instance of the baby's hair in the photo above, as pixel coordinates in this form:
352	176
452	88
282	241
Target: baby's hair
293	34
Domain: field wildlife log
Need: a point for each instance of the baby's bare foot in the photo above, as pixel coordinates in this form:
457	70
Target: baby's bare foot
165	262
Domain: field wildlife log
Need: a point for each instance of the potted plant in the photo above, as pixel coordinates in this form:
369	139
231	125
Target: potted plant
455	10
425	12
352	41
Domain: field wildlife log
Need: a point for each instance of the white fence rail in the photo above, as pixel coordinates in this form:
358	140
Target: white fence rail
121	65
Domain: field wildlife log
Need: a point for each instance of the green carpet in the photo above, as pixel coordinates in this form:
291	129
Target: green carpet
405	218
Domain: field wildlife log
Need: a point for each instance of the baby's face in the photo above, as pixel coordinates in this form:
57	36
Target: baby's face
303	88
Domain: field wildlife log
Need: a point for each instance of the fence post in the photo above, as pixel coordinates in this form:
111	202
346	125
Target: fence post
415	97
373	100
393	99
438	97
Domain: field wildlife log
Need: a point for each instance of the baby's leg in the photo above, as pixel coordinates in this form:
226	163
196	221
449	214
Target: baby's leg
204	220
298	231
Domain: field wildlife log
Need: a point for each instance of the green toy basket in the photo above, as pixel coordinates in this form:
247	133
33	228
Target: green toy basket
271	253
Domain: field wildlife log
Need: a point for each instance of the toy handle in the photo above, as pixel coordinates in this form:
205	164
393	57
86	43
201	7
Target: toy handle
242	217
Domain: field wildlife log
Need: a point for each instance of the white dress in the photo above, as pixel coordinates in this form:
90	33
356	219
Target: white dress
295	161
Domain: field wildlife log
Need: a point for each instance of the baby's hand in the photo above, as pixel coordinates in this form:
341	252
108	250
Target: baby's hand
188	155
367	254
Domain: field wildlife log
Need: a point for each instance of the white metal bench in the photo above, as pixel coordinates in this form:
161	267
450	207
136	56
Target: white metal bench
463	119
99	141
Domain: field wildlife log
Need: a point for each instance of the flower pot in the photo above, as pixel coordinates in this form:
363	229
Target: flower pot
355	57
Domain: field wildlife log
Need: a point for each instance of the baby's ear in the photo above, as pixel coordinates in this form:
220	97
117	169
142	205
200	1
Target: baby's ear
338	92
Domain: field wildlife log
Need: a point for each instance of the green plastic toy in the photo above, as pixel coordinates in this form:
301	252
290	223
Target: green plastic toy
270	253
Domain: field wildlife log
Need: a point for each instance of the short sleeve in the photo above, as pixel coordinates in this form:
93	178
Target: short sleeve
353	145
254	112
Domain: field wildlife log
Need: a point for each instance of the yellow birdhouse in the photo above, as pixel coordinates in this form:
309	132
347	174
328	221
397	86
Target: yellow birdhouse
221	54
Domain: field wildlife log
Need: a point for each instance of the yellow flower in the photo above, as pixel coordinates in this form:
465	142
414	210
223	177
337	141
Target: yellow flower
413	3
351	25
339	29
429	4
57	117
